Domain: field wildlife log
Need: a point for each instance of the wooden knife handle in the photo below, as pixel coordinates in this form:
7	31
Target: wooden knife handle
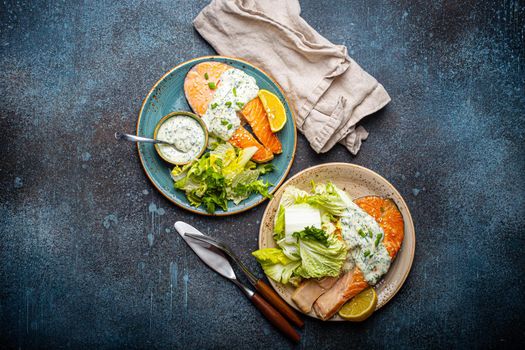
275	318
277	302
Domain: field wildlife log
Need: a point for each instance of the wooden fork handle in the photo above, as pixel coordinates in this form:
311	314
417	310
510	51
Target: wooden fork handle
277	302
275	318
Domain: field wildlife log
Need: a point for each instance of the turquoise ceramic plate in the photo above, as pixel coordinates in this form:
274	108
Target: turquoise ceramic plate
167	95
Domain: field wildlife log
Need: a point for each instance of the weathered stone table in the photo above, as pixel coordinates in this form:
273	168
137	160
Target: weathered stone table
77	269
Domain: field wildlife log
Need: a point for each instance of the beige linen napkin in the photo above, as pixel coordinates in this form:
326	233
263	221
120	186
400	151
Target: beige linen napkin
330	92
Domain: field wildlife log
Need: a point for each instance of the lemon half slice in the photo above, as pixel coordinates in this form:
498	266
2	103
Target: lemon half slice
274	109
360	307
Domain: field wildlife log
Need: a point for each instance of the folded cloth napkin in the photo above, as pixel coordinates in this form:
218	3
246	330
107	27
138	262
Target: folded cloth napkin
330	92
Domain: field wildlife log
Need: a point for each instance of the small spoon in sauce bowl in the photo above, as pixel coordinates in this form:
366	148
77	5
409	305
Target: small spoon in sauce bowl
134	138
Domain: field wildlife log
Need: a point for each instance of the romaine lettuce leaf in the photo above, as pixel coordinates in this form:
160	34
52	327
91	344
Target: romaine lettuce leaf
327	198
278	228
218	176
319	259
237	165
275	264
290	195
311	253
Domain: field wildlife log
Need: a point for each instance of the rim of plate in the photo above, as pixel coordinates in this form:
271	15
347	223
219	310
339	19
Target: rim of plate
384	181
288	103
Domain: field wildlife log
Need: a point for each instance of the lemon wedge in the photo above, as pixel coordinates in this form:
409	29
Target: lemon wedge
360	307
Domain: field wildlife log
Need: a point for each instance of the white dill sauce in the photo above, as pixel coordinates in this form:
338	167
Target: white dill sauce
364	238
187	135
235	89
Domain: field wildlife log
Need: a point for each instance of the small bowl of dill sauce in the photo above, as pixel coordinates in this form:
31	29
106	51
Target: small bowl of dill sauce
187	132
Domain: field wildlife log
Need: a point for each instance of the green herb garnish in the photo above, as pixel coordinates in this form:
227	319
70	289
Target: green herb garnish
230	126
228	104
361	233
312	233
239	104
234	92
367	253
214	105
378	239
212	85
370	233
206	76
224	122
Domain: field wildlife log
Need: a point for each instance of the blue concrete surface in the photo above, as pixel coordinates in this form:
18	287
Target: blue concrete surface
88	258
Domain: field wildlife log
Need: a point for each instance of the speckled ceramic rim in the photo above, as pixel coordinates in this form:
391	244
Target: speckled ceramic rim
185	114
384	181
285	174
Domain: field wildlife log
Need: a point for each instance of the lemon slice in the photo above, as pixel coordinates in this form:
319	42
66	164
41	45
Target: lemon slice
360	307
274	109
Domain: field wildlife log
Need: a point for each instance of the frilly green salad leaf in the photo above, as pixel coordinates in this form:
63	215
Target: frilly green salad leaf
225	173
278	230
319	255
325	197
312	252
275	264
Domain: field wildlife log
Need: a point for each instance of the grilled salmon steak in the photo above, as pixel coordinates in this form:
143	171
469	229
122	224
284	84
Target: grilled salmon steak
196	84
255	115
388	216
243	139
346	287
307	293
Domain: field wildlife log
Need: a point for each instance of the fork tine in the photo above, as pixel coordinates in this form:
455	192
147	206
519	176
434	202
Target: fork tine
210	240
202	238
216	244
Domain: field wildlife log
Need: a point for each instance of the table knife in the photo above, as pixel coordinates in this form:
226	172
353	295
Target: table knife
217	261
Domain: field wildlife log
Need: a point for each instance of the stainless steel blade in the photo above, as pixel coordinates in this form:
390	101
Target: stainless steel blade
209	254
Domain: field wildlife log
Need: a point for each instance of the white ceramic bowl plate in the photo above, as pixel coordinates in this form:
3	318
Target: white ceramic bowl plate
358	182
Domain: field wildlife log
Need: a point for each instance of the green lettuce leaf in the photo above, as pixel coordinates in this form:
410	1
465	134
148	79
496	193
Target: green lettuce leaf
237	165
275	264
320	260
223	174
264	168
326	197
291	195
311	253
278	228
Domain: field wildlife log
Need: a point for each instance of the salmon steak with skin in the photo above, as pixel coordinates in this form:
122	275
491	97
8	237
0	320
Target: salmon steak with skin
388	216
255	115
351	283
347	286
307	293
196	88
243	139
199	95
